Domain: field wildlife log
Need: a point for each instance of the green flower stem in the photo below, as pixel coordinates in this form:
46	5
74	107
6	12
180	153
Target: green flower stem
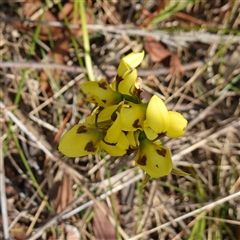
86	44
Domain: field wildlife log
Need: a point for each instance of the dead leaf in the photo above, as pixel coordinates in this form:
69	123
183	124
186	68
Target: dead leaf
64	193
102	227
158	53
155	50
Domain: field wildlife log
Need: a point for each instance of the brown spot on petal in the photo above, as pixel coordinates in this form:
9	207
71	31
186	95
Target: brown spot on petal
104	101
108	143
90	147
130	150
82	129
161	135
91	99
119	79
142	160
114	116
103	85
135	124
100	109
161	152
157	166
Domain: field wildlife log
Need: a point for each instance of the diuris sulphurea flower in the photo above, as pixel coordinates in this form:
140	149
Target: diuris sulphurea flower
121	123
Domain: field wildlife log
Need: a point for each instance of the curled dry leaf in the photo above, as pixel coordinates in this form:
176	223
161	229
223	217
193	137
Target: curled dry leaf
158	53
102	227
155	50
64	193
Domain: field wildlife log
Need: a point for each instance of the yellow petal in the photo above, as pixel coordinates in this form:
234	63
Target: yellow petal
123	142
91	120
130	61
109	113
157	115
117	149
178	125
132	137
113	133
80	141
101	93
115	142
153	158
126	86
133	116
151	135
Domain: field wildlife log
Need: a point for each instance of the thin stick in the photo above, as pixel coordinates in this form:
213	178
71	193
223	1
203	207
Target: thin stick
3	195
108	72
39	65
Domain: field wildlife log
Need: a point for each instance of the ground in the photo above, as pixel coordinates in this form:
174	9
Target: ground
192	51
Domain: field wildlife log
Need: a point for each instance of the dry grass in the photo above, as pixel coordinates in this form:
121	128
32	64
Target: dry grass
45	196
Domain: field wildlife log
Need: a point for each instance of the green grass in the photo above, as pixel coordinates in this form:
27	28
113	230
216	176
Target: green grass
170	8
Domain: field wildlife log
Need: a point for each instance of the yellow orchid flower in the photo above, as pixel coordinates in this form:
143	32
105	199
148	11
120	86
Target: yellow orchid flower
101	93
80	140
153	158
121	123
178	125
157	116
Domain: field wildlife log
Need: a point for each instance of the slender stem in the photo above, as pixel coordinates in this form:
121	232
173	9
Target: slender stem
86	44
